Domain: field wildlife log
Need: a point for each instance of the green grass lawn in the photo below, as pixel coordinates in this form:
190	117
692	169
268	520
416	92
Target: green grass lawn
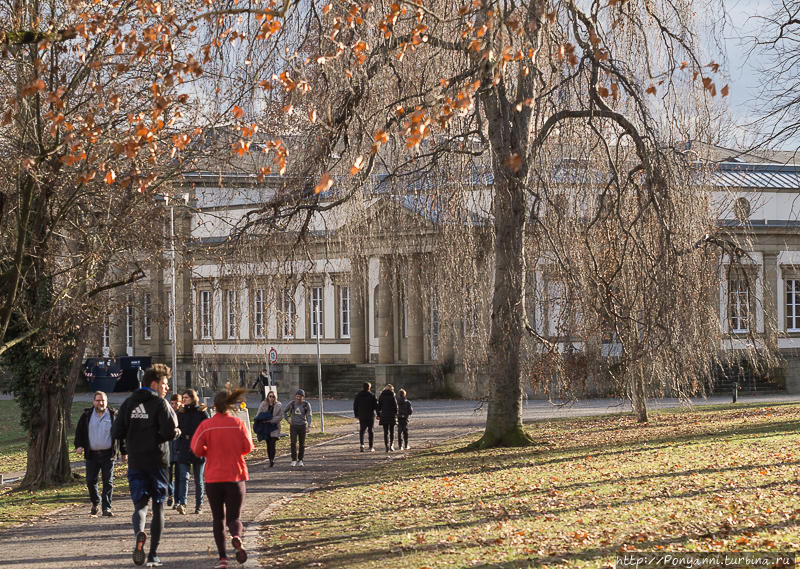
698	480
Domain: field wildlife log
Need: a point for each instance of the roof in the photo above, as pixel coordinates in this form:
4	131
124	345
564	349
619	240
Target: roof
758	176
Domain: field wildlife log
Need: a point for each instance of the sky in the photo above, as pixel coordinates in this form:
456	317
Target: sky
741	26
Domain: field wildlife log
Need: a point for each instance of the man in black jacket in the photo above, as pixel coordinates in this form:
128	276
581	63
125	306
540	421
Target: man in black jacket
364	407
93	439
147	423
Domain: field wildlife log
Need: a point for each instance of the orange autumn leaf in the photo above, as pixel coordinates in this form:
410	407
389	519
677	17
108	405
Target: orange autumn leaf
357	165
238	112
324	183
110	177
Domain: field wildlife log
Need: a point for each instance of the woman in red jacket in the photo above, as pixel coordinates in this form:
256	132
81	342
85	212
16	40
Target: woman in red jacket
224	440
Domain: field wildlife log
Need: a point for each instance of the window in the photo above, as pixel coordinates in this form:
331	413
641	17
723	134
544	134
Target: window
259	314
232	302
739	305
129	325
470	312
344	311
793	305
146	326
205	314
741	210
316	312
288	308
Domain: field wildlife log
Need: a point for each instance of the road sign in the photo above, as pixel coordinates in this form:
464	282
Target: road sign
273	355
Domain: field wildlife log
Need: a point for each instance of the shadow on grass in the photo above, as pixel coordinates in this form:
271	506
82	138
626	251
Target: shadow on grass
346	559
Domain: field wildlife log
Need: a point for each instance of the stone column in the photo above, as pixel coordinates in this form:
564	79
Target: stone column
358	348
385	324
416	348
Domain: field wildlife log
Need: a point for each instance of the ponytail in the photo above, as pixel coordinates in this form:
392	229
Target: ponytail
227	399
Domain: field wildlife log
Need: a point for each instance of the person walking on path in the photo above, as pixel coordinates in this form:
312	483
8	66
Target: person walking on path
267	424
262	383
404	410
224	440
387	415
147	423
298	413
93	439
364	406
175	403
189	418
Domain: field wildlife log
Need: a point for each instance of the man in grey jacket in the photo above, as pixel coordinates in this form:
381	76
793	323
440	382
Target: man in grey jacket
298	414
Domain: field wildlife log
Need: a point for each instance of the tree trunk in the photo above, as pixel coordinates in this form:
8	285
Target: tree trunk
48	453
75	369
638	395
504	416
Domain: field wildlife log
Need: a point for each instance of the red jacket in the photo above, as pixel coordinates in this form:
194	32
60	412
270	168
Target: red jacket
223	440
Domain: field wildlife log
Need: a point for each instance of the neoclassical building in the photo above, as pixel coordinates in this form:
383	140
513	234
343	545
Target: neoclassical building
374	310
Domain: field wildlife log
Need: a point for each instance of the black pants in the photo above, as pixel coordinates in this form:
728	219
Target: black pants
225	500
156	524
97	462
388	435
366	426
271	442
402	432
298	434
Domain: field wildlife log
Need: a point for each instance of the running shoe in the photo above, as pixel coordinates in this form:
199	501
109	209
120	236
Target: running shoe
241	554
153	561
222	563
300	463
294	463
138	549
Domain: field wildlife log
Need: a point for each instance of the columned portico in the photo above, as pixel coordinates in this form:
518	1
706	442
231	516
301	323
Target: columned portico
386	347
358	349
416	350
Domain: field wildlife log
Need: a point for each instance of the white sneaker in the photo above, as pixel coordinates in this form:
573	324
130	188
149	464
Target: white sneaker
300	463
294	463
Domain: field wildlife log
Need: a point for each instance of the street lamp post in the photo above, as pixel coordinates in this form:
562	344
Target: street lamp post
172	320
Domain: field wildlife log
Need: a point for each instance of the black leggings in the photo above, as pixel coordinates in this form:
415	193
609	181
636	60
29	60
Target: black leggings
156	525
271	442
388	435
226	500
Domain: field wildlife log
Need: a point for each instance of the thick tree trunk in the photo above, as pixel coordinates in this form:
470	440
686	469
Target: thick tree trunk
504	418
638	395
75	371
48	452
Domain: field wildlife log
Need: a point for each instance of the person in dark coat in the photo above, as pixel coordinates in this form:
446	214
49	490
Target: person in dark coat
262	383
404	410
364	407
189	418
387	415
146	423
176	404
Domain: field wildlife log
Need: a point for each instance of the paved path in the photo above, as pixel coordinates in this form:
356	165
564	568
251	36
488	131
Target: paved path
72	538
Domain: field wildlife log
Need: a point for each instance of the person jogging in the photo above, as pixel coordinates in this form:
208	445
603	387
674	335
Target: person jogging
224	440
147	423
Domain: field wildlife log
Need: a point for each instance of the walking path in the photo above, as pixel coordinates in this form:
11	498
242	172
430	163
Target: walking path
70	537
